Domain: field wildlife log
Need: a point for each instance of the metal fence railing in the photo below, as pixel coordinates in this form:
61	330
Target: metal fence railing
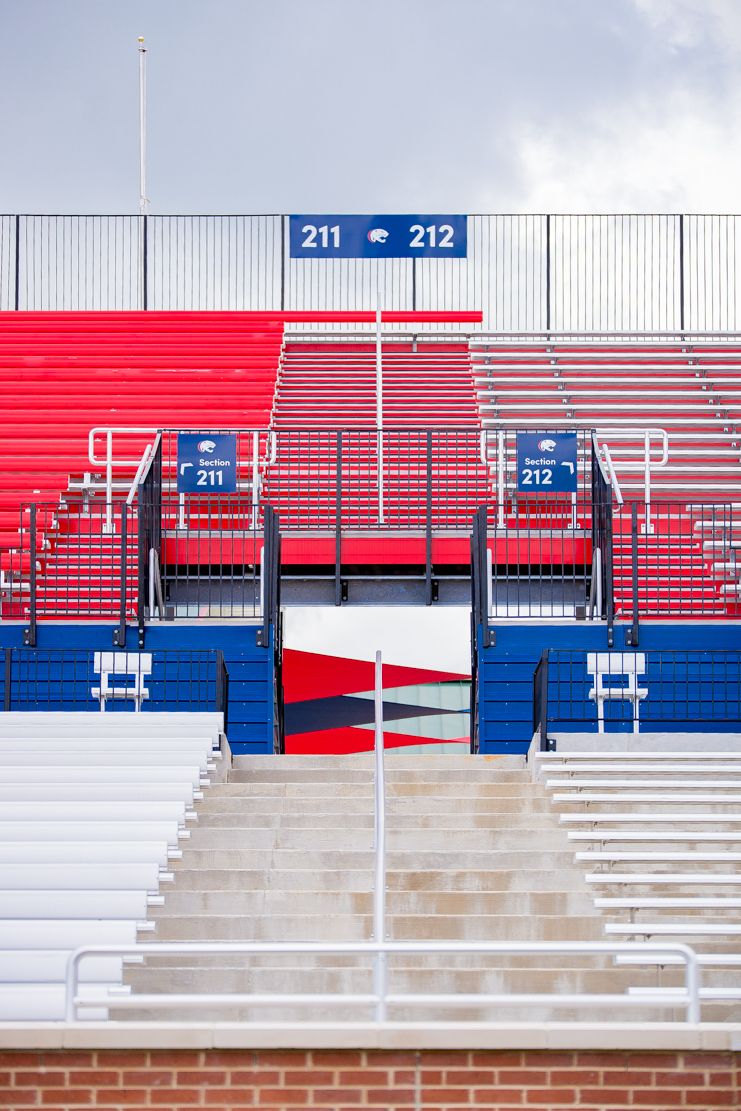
526	273
122	682
597	691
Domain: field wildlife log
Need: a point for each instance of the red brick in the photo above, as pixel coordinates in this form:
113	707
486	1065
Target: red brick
96	1078
67	1095
255	1076
396	1058
654	1060
121	1095
392	1095
281	1096
403	1076
550	1095
17	1095
342	1058
331	1095
445	1095
292	1058
175	1095
497	1059
469	1076
708	1060
714	1099
230	1058
427	1077
66	1059
121	1059
309	1077
574	1076
658	1096
497	1096
604	1095
178	1058
542	1059
432	1057
522	1076
633	1077
41	1079
12	1059
229	1095
366	1077
201	1076
151	1078
721	1079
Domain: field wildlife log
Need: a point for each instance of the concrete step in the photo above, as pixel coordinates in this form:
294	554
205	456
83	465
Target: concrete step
426	816
305	880
508	836
273	861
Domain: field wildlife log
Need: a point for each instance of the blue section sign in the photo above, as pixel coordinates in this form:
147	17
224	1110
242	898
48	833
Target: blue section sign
207	464
546	461
378	236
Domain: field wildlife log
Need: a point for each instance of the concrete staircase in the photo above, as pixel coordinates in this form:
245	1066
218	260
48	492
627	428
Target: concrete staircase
283	850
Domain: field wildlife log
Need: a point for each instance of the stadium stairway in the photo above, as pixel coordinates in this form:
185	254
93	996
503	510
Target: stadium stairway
331	386
93	812
283	851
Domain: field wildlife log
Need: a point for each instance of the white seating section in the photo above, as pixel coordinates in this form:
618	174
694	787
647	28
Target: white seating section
92	810
134	665
662	833
610	665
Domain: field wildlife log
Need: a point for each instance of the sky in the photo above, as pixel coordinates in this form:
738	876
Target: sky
372	105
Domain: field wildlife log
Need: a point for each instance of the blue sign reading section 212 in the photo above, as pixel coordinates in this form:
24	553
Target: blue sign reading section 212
378	236
207	464
546	462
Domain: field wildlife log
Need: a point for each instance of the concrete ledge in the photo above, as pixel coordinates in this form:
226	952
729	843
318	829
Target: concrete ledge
361	1035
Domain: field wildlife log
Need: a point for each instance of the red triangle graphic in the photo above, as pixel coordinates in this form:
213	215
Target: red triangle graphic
310	675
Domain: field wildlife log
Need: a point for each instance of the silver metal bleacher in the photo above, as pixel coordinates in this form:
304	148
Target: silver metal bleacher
93	808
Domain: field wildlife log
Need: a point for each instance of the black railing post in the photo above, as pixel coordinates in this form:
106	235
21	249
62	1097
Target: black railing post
8	678
338	524
634	631
282	263
142	556
428	525
29	633
609	600
222	687
681	274
17	261
540	701
548	276
119	634
145	297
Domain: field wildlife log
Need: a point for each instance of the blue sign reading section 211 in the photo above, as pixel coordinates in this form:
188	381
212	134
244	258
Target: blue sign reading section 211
378	236
207	464
546	462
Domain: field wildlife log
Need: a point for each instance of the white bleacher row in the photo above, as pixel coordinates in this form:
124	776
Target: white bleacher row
678	876
92	808
693	392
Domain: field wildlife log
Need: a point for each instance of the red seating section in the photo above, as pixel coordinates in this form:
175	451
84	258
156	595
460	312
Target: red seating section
66	372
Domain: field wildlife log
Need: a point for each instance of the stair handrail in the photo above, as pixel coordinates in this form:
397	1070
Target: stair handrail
380	960
380	998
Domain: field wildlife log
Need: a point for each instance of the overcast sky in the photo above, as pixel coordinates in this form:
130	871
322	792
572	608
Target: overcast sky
372	105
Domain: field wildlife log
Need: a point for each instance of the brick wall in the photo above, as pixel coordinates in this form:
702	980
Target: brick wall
344	1080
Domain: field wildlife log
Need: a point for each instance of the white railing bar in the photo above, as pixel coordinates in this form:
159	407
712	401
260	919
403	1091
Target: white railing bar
380	963
611	470
380	998
105	430
134	488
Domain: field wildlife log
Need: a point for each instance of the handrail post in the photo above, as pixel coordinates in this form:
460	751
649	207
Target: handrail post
109	483
29	634
634	561
428	524
380	960
379	402
544	701
119	634
17	261
338	523
8	653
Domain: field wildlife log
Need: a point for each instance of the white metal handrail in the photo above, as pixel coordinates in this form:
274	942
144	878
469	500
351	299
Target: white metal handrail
380	961
380	999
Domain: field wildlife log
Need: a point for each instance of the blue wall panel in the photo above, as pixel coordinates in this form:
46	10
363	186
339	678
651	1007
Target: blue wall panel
251	710
506	675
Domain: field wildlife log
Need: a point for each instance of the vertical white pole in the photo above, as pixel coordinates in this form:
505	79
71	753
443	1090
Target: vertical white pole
142	128
255	478
109	483
501	463
379	400
380	966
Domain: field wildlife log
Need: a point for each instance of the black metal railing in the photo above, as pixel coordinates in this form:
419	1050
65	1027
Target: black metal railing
150	682
629	274
654	687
